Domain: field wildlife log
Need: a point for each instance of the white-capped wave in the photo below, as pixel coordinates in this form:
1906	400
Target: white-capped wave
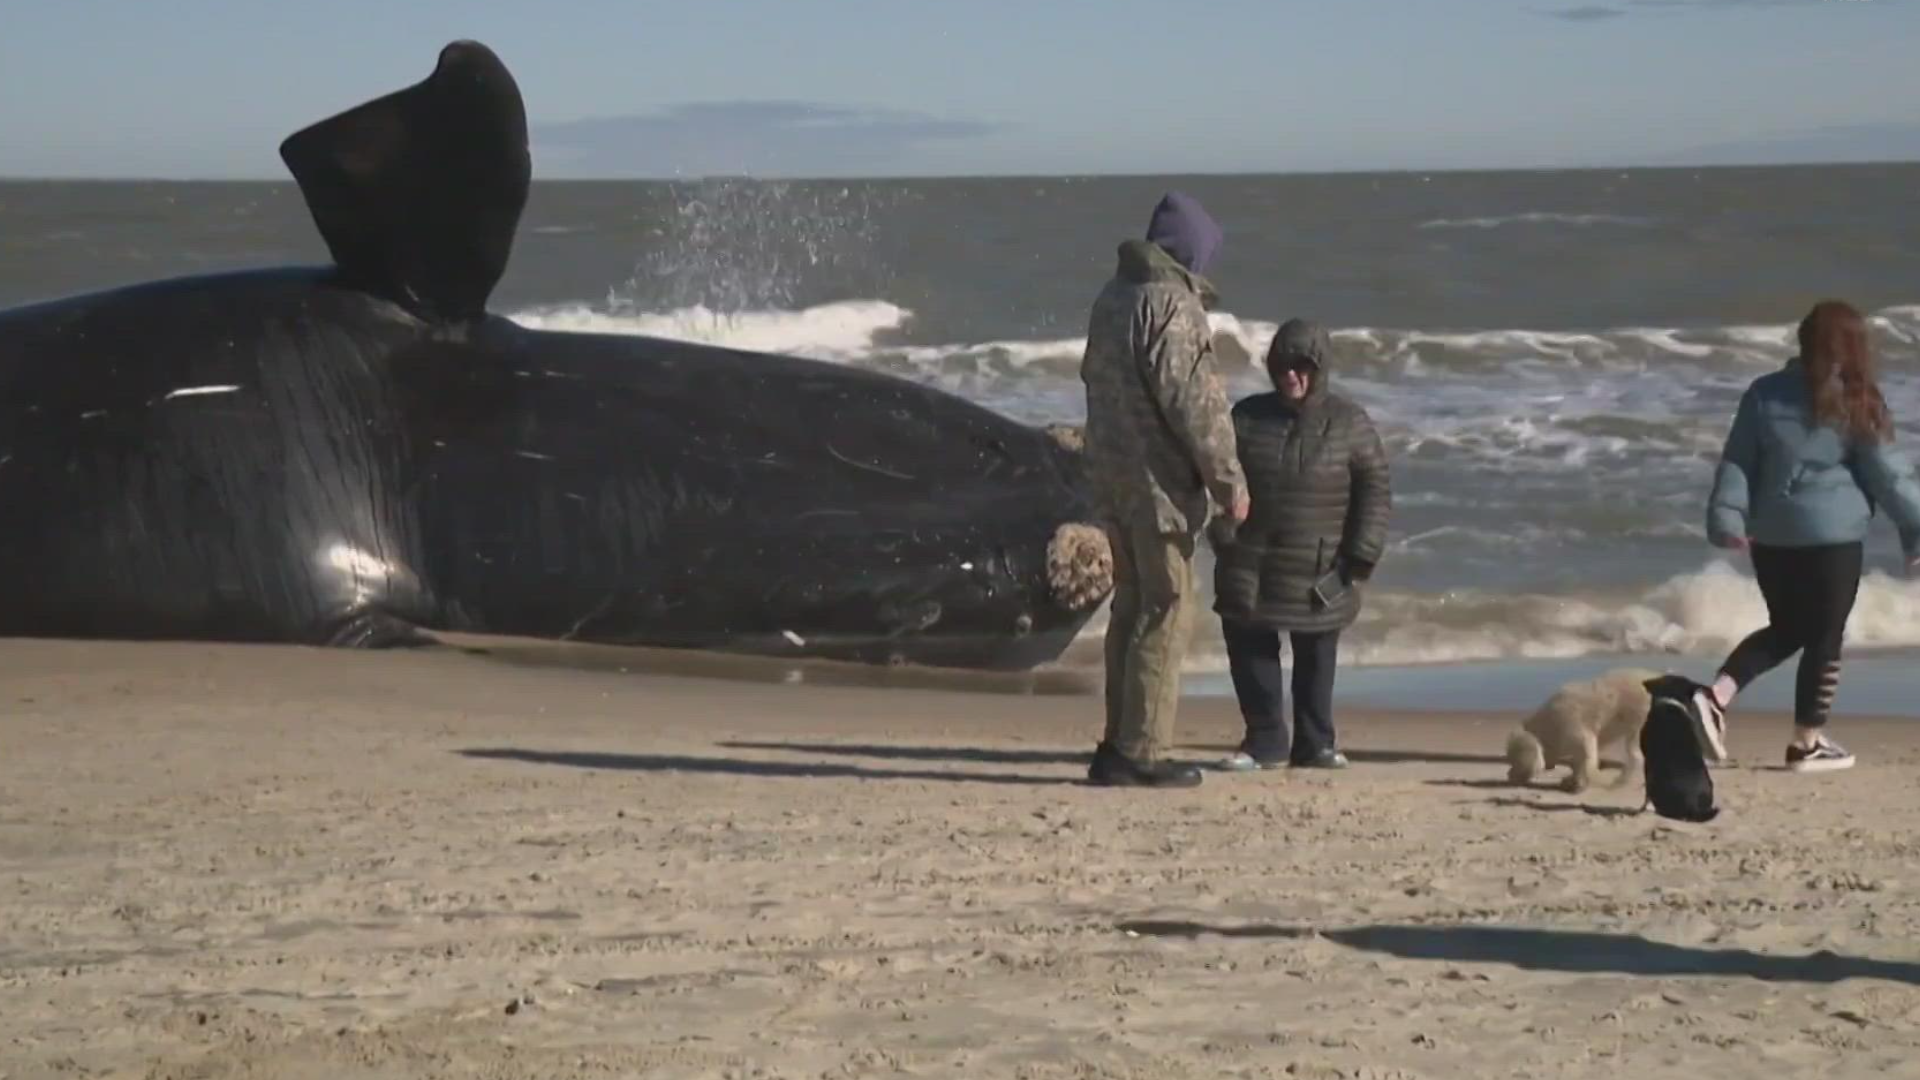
1647	402
1700	615
843	331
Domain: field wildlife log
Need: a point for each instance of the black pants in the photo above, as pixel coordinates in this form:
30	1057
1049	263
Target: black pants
1253	656
1810	593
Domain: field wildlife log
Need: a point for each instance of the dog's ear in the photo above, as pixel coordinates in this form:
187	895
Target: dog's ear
1670	685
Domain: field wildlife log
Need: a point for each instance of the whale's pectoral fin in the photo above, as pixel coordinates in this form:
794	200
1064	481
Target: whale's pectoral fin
372	629
418	193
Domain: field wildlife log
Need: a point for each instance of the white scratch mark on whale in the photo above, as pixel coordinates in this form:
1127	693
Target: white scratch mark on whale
605	603
197	391
864	465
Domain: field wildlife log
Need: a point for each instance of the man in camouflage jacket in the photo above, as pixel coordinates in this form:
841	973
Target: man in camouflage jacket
1160	443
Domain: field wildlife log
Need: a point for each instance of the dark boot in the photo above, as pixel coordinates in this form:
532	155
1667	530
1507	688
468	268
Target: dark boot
1110	769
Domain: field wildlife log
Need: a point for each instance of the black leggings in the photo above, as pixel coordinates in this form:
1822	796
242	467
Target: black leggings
1810	593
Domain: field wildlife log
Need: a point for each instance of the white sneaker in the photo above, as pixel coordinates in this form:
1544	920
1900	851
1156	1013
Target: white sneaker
1709	725
1241	761
1825	756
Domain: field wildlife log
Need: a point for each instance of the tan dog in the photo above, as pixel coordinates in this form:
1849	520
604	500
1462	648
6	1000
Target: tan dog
1576	722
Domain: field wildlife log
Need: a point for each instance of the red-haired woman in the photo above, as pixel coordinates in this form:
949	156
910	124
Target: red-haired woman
1806	467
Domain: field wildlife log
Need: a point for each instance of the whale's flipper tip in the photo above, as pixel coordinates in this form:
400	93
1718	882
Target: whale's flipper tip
417	193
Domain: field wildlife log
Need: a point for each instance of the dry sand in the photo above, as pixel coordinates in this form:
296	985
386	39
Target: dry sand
260	862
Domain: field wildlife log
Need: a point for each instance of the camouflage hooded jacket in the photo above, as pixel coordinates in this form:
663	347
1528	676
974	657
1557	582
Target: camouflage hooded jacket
1159	432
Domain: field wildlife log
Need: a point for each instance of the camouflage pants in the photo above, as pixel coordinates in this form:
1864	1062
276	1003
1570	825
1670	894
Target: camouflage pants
1146	635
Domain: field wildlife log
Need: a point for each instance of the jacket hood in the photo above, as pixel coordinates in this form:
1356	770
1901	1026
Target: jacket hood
1307	340
1184	230
1142	261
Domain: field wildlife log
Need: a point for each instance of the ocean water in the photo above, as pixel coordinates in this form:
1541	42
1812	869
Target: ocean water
1553	358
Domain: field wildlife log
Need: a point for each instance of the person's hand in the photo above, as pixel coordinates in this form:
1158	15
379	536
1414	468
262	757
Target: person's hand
1739	543
1220	533
1242	506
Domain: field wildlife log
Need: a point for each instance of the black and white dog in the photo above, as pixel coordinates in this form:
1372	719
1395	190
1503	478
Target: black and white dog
1679	785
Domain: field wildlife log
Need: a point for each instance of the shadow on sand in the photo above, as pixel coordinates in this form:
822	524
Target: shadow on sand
755	668
886	752
1393	757
721	766
1565	808
1571	951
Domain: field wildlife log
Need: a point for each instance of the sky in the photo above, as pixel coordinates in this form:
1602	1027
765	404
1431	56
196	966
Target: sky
207	88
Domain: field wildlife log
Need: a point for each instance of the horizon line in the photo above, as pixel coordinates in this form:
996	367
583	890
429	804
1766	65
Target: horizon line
663	178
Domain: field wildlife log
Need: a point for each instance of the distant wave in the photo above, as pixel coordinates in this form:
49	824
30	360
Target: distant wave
1535	217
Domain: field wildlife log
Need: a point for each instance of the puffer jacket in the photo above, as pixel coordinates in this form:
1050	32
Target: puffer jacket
1786	481
1318	476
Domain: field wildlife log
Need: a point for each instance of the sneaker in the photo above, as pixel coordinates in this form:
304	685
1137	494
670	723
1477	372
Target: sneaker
1709	725
1241	761
1325	759
1824	756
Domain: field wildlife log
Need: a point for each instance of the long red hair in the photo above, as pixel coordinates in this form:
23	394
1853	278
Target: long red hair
1838	358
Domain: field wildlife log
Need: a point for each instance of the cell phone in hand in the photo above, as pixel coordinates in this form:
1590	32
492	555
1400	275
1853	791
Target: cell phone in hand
1329	588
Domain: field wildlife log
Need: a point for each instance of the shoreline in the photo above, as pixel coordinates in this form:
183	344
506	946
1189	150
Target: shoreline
1873	684
1877	684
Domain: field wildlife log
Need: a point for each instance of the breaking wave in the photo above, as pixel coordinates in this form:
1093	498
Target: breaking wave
844	331
871	330
1700	614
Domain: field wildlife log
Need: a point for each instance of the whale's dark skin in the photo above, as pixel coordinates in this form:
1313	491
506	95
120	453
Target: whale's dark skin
356	453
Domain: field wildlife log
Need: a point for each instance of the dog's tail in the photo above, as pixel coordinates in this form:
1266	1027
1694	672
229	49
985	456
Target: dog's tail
1526	758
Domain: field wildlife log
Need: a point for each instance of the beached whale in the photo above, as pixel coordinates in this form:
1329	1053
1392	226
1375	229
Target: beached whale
353	453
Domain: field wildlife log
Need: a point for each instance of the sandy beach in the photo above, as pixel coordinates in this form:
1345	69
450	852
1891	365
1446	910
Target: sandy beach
227	862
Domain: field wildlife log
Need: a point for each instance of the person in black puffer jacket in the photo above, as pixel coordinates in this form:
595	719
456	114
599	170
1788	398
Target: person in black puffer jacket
1317	473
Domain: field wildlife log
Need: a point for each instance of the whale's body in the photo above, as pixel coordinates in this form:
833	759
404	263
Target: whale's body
354	453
